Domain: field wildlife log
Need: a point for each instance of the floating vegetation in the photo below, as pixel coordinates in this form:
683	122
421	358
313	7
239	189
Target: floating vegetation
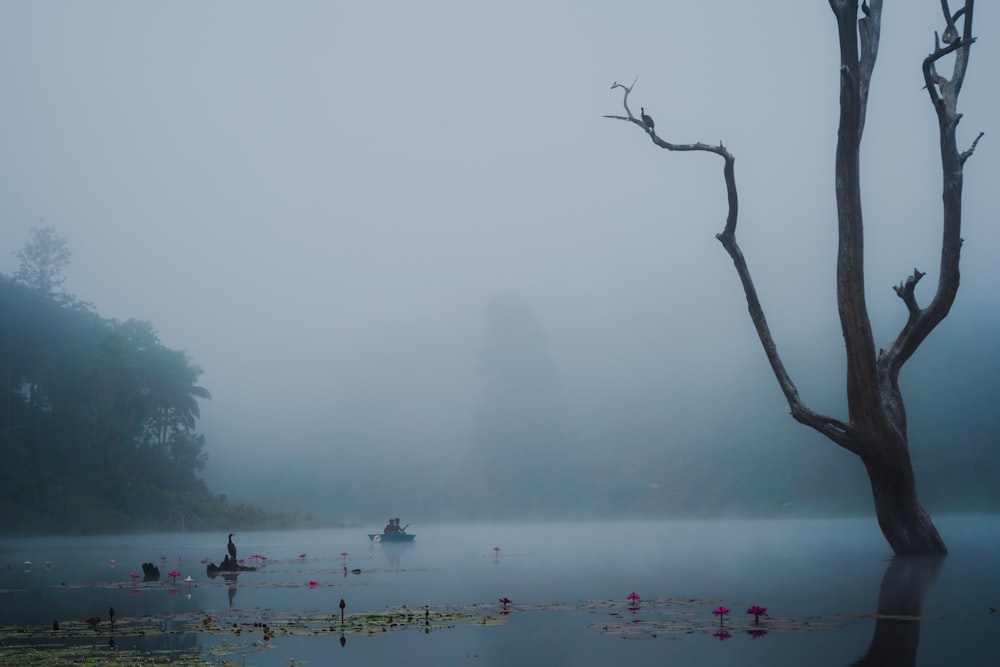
239	631
672	617
97	656
226	635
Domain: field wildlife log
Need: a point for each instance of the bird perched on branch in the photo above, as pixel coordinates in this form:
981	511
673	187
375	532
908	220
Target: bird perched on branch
648	120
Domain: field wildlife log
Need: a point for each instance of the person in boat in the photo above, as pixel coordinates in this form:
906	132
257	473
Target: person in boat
389	528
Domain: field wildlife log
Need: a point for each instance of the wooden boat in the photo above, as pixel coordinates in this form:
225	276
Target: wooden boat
401	536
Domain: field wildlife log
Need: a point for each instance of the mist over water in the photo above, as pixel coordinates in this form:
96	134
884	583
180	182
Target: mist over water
567	581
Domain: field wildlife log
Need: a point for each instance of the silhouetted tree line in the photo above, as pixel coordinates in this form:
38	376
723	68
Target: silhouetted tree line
98	416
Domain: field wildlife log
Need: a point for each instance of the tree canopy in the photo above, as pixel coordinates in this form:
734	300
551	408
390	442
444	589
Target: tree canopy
99	417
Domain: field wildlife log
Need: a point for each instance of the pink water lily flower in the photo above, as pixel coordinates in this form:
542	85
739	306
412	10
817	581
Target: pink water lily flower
721	613
173	574
134	575
757	612
313	584
634	597
506	601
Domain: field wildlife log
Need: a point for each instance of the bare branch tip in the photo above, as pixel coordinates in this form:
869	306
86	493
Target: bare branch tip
972	148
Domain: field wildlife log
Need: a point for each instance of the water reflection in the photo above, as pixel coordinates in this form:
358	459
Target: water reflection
231	579
150	572
905	584
393	553
172	644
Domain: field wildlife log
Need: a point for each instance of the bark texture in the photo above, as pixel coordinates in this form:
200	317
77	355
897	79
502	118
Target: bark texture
875	429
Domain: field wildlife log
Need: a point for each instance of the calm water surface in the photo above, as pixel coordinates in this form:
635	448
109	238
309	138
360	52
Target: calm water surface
561	576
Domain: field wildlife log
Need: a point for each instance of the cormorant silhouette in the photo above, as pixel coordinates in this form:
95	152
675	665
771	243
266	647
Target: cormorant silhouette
646	119
231	547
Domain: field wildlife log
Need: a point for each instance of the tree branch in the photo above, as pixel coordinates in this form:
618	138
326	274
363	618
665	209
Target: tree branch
949	89
944	97
833	429
967	153
905	292
869	30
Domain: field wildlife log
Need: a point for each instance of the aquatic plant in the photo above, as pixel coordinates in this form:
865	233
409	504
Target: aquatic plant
757	612
721	612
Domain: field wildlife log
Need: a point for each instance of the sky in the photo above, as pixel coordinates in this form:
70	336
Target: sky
316	200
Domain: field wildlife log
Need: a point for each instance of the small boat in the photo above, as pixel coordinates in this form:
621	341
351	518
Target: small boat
391	537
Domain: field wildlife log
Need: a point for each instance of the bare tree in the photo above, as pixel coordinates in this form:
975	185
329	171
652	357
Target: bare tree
876	429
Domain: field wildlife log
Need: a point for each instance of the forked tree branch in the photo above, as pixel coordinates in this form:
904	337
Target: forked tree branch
905	292
944	94
834	429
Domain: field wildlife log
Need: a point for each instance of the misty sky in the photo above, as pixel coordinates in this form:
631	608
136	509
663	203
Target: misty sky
317	199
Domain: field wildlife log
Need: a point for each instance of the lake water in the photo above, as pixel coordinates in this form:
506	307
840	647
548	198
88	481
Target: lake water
833	593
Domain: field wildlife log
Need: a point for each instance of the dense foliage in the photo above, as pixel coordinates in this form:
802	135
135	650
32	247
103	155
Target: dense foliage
98	420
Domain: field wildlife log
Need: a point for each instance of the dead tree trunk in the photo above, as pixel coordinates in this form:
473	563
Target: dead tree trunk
876	428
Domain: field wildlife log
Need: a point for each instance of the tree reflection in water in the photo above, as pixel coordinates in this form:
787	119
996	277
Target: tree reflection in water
231	585
906	582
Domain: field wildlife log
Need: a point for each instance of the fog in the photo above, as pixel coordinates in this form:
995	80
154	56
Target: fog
319	201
